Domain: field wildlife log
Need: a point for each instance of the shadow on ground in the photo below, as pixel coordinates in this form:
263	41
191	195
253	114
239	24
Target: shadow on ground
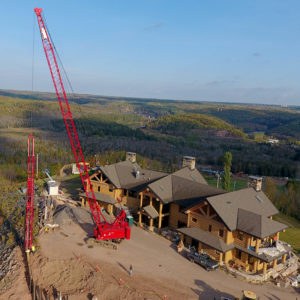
207	292
88	228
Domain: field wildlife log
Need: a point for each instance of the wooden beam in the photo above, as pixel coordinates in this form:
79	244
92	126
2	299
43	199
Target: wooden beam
165	215
264	268
151	222
188	220
212	216
160	215
257	245
141	205
141	200
202	211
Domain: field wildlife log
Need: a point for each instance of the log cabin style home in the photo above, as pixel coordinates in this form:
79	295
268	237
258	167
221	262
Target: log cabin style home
234	228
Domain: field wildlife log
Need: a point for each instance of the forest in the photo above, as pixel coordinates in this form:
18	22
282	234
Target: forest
159	131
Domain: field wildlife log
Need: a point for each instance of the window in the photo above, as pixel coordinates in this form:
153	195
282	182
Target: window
98	188
125	192
209	228
240	236
110	189
194	220
221	232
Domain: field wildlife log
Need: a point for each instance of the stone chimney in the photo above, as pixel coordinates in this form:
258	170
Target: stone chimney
131	156
255	182
189	161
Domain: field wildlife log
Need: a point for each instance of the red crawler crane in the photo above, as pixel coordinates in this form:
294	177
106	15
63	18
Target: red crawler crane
119	229
30	194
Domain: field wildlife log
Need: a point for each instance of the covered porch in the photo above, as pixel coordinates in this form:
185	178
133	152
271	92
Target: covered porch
105	201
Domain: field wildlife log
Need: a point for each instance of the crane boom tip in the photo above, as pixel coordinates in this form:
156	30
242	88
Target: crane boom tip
38	11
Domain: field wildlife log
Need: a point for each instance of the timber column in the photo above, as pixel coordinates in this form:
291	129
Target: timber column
160	215
257	245
140	212
264	268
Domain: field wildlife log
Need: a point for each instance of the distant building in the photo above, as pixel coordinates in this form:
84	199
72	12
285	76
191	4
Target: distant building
75	169
273	141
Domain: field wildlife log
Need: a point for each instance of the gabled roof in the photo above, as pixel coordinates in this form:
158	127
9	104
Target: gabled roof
150	211
124	174
183	186
189	174
101	197
227	205
206	238
257	225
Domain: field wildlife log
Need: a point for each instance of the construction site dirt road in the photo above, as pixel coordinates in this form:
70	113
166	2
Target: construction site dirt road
65	262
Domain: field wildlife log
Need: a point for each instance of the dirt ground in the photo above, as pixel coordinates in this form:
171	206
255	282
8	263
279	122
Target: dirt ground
66	263
18	288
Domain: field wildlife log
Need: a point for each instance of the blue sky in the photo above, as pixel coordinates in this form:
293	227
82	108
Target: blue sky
213	50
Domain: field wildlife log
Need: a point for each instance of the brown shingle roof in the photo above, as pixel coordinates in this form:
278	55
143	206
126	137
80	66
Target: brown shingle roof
123	174
180	186
189	174
101	197
206	238
150	211
228	204
257	225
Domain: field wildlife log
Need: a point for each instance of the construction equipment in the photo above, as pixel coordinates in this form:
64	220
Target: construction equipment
104	230
30	194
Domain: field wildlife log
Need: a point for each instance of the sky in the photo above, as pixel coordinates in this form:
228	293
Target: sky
215	50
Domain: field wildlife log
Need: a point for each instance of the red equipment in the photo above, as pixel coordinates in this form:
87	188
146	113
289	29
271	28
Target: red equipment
30	193
119	229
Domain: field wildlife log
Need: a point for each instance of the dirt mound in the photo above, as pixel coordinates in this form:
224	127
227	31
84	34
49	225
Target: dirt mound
79	278
69	276
65	214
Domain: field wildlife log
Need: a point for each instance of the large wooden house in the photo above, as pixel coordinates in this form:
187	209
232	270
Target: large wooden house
233	227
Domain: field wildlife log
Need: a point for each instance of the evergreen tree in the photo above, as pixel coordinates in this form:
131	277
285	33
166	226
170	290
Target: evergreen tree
227	166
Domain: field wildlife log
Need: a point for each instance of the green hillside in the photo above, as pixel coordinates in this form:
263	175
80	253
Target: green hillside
161	130
190	123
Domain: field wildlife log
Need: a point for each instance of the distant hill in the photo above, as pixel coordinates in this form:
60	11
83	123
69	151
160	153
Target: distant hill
193	124
163	130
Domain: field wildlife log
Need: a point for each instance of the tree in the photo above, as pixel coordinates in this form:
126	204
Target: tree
227	166
270	189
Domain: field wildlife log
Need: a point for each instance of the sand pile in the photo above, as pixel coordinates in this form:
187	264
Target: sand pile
65	214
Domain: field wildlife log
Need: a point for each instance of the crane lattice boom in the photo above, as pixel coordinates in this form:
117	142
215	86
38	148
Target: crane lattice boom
30	194
103	230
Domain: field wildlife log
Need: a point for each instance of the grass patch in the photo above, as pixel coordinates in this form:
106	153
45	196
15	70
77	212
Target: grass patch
235	184
292	236
290	221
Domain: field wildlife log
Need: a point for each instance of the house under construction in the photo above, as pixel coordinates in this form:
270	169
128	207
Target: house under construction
233	227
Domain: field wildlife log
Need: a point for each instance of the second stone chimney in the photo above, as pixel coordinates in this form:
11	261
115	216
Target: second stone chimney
189	161
131	156
255	182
